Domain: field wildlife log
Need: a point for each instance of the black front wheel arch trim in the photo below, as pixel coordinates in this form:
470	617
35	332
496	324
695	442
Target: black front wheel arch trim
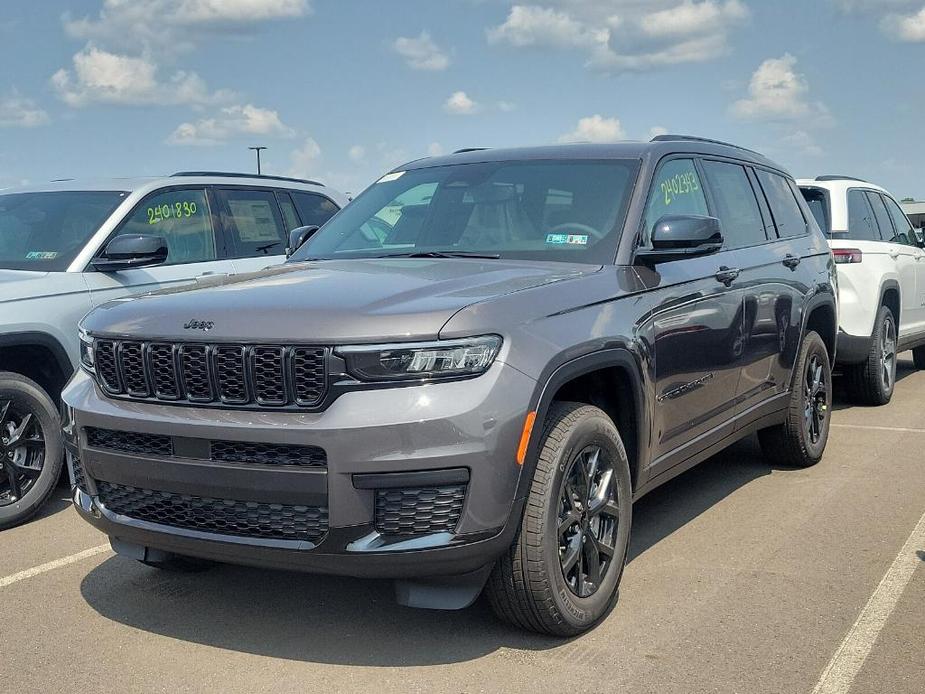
42	340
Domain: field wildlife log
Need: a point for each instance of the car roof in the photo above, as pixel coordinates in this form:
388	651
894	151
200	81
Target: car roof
838	185
139	183
618	150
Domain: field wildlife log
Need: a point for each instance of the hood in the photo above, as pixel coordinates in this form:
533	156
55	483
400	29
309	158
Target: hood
369	300
23	284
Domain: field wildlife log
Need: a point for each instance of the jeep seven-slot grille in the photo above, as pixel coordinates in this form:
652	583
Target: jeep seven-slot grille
223	516
221	374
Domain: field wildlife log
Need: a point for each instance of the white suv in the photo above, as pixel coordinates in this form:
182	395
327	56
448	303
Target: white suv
881	281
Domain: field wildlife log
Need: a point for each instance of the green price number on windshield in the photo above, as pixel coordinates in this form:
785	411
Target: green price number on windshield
177	210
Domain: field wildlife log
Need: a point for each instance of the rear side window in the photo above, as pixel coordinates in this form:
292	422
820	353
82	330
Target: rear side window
788	217
253	222
676	189
313	209
818	203
736	205
882	216
861	223
290	216
904	233
182	218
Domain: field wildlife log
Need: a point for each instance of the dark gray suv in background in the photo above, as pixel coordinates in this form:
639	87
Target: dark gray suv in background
467	376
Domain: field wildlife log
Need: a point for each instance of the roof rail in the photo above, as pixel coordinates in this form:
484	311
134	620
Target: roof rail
470	149
234	174
693	138
836	177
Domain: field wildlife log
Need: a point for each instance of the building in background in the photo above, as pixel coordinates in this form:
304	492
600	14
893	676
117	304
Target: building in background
915	211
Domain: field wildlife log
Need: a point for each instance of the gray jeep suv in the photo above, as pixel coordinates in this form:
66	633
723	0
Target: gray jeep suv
467	376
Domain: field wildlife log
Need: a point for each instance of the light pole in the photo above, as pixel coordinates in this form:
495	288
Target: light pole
257	150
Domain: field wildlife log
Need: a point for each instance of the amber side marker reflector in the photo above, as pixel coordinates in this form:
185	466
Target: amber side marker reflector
525	437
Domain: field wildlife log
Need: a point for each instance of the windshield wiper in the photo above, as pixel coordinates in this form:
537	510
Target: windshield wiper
443	254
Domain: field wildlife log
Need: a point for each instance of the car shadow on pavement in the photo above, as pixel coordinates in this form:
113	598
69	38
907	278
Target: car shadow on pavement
904	369
350	621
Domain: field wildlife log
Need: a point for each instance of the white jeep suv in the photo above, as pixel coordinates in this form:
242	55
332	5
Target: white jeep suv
881	281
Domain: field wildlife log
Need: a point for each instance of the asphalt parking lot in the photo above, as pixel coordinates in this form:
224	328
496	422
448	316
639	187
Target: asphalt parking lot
742	578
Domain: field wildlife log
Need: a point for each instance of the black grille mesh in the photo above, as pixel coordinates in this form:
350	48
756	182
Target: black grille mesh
233	375
419	510
223	516
268	454
129	442
77	470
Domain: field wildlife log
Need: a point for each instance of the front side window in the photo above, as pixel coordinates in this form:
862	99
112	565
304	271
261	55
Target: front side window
676	190
861	223
736	205
543	210
887	233
46	231
904	233
253	221
182	218
788	217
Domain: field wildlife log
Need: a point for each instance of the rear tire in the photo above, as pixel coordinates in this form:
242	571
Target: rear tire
918	357
562	573
872	381
800	440
31	448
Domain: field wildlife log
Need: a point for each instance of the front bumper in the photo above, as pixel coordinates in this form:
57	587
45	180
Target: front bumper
465	432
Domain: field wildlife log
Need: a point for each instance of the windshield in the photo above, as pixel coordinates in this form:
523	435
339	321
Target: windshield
568	211
46	231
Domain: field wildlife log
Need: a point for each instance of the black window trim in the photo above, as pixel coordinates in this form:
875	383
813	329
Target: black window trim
714	208
827	212
869	192
217	234
791	185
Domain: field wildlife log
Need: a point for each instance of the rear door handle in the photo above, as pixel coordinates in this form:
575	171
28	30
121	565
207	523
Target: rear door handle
727	275
791	261
894	254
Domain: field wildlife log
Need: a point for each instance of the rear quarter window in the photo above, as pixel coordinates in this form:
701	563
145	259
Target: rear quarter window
788	217
818	202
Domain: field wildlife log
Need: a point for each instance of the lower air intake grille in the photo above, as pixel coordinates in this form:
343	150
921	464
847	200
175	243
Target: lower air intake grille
77	471
129	442
419	510
268	454
223	516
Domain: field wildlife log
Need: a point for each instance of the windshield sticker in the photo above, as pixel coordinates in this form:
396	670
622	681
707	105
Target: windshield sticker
679	184
391	177
568	239
177	210
41	255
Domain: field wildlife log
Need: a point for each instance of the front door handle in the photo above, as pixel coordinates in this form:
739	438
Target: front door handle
727	275
791	261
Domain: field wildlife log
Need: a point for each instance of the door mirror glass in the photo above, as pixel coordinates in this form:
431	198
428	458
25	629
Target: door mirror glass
298	237
129	251
674	237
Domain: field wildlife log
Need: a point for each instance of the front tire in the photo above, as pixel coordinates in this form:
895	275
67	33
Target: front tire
31	448
872	381
562	573
800	441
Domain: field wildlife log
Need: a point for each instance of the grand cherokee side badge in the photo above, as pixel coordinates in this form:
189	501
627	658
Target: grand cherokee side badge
205	325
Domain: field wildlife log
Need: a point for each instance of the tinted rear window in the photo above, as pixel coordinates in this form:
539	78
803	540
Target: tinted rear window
788	218
818	203
861	223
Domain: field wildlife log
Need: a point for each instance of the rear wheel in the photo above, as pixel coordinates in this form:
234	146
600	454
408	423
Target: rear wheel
31	448
872	381
800	441
562	572
918	357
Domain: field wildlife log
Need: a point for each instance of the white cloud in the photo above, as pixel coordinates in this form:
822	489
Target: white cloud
304	161
905	27
357	153
434	149
459	103
101	76
778	92
232	121
177	25
20	112
655	131
421	53
596	129
624	35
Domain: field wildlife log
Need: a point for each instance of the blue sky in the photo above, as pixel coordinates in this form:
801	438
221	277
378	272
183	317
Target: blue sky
342	90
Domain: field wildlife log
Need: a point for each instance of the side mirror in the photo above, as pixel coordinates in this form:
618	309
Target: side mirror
675	237
131	251
298	237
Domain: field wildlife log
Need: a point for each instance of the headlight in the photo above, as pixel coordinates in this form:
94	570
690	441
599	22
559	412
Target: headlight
421	360
87	359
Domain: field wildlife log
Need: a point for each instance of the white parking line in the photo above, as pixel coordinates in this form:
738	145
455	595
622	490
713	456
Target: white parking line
844	666
52	565
872	427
